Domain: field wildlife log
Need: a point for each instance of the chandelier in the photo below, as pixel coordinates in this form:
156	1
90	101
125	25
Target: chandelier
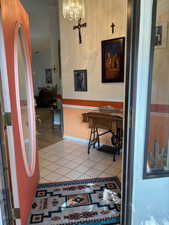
73	10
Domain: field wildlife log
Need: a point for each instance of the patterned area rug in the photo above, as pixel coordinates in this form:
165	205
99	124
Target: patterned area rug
76	202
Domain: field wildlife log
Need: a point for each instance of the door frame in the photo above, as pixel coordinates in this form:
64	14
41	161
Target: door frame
6	197
8	126
133	27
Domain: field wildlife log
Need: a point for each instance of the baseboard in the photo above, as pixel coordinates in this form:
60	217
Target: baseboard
79	140
76	139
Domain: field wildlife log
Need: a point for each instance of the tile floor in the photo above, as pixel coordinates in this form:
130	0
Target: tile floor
68	160
46	135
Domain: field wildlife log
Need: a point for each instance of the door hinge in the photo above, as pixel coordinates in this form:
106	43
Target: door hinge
16	214
7	119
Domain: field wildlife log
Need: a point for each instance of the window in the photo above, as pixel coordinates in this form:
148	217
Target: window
157	138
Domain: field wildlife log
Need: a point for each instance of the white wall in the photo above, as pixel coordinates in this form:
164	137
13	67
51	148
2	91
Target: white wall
99	17
54	43
40	62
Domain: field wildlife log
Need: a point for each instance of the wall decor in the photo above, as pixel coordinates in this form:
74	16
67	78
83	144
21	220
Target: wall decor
48	74
78	27
80	80
161	31
113	60
113	27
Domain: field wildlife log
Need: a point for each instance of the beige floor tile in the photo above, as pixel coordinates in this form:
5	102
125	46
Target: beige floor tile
109	173
81	169
100	166
72	165
89	163
41	166
53	177
44	150
41	159
73	175
84	176
92	172
53	167
105	175
69	157
53	159
42	156
63	171
102	175
77	160
64	178
77	154
45	163
110	170
108	162
68	160
44	172
43	180
63	162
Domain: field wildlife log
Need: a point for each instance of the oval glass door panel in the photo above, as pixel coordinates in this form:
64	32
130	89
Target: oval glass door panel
26	105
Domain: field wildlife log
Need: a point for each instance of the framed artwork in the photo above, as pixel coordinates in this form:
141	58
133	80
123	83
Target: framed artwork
80	80
48	74
161	35
113	60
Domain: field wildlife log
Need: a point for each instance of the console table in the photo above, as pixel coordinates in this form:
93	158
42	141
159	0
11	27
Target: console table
110	123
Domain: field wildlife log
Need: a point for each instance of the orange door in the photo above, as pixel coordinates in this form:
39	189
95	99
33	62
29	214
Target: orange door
18	96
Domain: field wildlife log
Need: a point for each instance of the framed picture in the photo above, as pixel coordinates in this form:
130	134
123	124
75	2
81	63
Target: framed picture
161	35
80	80
113	60
48	74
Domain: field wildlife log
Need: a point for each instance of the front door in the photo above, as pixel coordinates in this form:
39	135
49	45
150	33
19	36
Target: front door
147	141
18	98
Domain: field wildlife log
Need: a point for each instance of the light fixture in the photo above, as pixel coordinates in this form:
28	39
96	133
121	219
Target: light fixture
73	10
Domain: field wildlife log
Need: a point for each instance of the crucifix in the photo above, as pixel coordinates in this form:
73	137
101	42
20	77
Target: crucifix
113	26
79	26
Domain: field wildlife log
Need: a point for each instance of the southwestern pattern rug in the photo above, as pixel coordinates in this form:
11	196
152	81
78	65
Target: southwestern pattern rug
76	202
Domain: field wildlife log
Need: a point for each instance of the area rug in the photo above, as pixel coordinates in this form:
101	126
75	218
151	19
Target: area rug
76	202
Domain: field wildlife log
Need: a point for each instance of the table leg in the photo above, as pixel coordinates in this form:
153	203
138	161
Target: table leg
98	138
94	138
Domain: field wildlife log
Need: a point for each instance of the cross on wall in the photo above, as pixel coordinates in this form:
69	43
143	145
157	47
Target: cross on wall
79	26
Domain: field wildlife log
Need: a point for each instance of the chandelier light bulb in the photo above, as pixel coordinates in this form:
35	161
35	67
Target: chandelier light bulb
73	10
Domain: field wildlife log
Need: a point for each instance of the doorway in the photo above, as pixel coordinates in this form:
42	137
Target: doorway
140	176
68	159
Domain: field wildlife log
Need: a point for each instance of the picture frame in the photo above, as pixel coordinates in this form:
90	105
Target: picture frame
80	80
113	60
161	31
48	76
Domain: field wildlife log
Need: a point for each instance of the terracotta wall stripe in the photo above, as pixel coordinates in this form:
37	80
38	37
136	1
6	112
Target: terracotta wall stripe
92	103
160	108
